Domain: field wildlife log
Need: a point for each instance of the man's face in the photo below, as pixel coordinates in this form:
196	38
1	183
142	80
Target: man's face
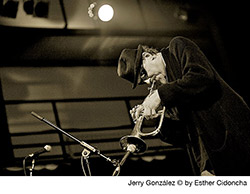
153	65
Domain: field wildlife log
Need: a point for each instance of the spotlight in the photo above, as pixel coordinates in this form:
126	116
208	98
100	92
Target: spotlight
104	12
91	10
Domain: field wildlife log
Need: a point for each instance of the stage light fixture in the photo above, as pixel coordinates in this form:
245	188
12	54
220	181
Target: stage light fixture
103	12
9	8
28	6
37	8
41	8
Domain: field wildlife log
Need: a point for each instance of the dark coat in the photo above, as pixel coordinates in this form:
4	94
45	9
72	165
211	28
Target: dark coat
215	115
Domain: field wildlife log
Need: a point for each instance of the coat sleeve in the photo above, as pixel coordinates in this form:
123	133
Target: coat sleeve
197	75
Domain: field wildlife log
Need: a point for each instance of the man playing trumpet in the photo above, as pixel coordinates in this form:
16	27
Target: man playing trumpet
215	117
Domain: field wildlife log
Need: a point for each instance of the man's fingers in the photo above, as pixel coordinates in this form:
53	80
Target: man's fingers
136	112
139	111
150	113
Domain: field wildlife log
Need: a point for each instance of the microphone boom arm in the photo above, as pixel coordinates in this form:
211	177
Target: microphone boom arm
82	143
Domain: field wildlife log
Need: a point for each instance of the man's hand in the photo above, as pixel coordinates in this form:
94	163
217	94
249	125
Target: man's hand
136	112
148	107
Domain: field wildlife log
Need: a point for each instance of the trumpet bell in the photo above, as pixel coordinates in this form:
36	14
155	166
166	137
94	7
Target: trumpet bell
140	145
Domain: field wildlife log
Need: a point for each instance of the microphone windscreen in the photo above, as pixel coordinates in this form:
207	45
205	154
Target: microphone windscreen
48	148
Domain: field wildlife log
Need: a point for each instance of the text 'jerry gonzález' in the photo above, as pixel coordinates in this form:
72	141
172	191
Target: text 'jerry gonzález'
188	183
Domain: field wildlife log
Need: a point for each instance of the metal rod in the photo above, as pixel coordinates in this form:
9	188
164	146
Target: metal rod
125	158
84	144
59	134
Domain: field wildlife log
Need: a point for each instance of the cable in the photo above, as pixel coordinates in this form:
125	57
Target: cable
117	170
83	169
24	165
64	13
87	162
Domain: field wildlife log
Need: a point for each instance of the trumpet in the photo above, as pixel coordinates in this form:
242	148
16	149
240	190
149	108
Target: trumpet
133	143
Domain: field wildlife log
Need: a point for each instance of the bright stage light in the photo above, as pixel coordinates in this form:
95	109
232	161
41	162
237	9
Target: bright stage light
106	13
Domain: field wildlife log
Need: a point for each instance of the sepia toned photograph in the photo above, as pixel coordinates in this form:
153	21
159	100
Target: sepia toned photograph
147	90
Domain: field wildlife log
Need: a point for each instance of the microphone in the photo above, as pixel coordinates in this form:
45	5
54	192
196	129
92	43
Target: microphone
131	148
46	148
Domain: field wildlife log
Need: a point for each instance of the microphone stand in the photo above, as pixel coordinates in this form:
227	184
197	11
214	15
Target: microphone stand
85	156
87	147
118	168
32	166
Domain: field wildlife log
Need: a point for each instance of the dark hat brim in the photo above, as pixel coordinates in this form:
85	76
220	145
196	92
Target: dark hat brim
137	67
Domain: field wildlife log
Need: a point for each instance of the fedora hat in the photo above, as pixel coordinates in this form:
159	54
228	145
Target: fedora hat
129	65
